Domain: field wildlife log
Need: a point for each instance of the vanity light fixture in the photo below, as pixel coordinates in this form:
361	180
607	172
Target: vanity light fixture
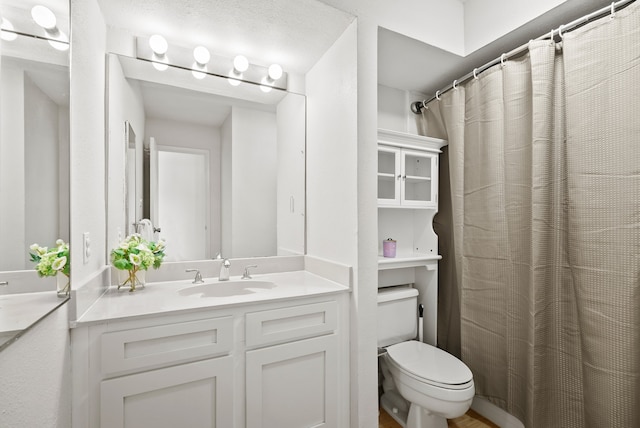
202	57
159	46
8	30
275	72
43	16
240	65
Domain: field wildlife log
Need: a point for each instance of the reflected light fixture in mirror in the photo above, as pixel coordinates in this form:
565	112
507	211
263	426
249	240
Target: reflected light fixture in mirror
240	65
8	30
202	57
159	46
45	18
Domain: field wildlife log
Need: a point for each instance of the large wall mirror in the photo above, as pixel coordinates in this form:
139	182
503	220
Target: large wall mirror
34	159
216	170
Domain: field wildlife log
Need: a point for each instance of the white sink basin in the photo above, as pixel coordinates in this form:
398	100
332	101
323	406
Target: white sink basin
227	288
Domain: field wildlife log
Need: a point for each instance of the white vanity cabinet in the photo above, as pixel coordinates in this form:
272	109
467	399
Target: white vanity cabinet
275	364
293	383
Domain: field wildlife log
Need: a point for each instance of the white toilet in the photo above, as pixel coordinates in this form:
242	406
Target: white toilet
436	385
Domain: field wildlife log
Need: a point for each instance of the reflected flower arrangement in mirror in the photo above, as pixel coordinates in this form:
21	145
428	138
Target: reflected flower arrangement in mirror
53	262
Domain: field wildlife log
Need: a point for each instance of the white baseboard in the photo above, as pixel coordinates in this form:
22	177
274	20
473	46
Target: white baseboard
495	414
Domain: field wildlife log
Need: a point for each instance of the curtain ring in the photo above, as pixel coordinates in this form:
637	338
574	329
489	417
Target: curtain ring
455	84
424	105
503	57
438	95
475	73
613	10
560	33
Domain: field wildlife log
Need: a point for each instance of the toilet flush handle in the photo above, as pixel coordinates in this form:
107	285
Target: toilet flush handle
420	321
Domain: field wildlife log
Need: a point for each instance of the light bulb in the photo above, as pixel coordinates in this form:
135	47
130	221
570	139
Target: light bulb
7	35
158	44
60	41
160	63
198	71
233	78
265	84
275	71
44	17
240	63
201	55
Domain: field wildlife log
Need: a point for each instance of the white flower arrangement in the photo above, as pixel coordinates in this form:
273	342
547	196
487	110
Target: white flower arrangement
136	253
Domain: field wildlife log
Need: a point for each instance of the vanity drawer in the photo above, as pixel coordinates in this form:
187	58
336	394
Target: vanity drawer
152	347
292	323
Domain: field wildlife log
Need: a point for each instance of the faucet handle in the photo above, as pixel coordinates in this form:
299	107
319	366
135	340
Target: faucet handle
198	278
246	275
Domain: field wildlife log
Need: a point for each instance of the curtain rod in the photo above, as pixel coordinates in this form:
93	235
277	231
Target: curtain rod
417	106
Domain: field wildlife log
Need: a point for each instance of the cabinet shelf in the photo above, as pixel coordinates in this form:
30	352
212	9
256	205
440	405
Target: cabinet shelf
407	260
417	179
385	176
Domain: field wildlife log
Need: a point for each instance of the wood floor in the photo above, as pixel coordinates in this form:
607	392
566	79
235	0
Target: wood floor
469	420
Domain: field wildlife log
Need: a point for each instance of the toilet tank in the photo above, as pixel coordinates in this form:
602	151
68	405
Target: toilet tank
397	315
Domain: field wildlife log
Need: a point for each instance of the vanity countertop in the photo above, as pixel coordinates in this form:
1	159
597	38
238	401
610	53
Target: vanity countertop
183	296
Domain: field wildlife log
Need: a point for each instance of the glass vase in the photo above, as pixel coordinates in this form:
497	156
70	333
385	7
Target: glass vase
63	285
134	278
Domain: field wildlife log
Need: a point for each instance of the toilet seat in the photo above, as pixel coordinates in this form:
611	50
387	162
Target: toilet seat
430	365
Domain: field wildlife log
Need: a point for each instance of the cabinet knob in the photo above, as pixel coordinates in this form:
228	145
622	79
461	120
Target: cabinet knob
399	176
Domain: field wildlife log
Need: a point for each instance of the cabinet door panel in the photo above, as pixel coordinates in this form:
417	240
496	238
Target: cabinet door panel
419	178
293	385
388	176
197	395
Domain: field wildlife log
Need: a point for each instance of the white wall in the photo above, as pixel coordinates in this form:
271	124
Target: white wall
36	376
488	20
436	22
87	159
291	113
341	195
394	110
253	197
125	104
41	170
12	163
226	162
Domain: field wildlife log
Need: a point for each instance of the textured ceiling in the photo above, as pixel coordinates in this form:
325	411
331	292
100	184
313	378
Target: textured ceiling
292	33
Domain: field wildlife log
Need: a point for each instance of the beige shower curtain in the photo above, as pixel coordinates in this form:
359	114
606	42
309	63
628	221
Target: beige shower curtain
542	258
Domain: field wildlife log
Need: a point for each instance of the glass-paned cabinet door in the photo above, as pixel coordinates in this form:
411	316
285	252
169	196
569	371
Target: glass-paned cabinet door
389	176
418	181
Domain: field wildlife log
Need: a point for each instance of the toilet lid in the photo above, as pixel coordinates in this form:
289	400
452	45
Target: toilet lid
429	363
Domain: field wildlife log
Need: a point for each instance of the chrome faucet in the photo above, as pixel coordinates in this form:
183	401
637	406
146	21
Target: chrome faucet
246	275
198	278
224	270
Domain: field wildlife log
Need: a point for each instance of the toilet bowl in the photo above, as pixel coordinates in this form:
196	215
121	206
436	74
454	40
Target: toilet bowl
437	385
